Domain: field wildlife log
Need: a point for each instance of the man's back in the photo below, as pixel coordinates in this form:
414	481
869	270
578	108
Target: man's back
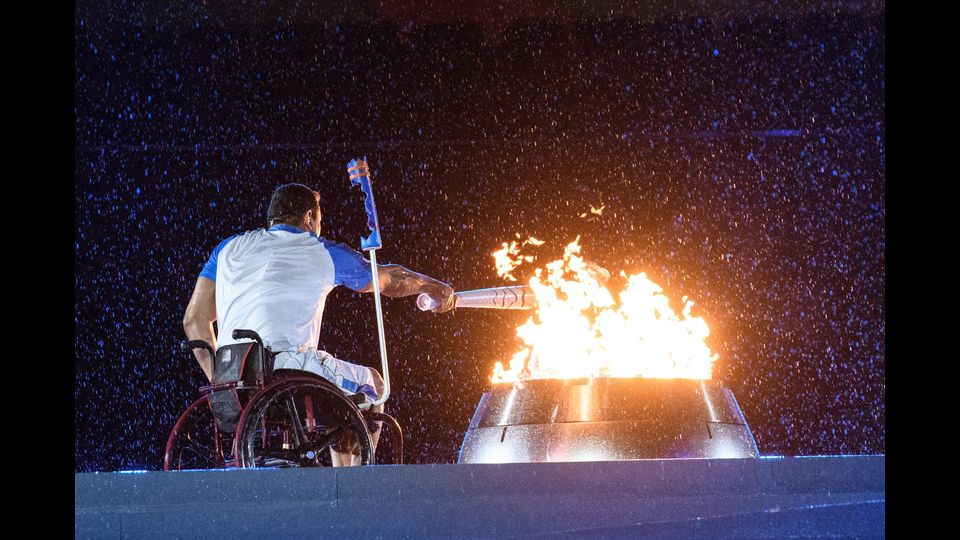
276	281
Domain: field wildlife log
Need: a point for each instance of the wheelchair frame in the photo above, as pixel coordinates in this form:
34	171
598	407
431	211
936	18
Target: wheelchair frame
301	444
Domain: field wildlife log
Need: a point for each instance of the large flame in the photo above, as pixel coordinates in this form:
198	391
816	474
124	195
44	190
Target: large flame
580	330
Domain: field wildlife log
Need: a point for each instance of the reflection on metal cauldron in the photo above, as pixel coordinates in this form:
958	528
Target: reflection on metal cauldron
606	419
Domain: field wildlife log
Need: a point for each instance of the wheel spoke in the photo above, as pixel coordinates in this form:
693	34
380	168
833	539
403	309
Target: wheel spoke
295	420
194	442
286	455
198	451
328	439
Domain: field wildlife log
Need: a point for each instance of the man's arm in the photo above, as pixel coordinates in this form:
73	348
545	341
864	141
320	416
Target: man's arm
397	281
198	321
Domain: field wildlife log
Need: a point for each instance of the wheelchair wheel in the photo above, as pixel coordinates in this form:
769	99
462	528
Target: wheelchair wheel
294	421
195	442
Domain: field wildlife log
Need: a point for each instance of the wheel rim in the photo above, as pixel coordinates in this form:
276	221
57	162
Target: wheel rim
294	422
195	442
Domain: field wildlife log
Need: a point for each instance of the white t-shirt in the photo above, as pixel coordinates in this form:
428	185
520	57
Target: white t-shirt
275	282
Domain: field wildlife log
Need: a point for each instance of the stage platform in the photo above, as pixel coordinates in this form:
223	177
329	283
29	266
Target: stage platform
769	497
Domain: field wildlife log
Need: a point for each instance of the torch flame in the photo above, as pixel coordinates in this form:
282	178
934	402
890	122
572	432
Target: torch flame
580	330
508	258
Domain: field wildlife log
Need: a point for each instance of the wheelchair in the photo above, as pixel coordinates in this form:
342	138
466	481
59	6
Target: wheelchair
254	416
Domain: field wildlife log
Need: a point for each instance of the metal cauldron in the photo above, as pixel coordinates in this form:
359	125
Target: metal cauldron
606	419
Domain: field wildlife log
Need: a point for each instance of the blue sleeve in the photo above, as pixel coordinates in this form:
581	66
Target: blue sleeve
210	269
350	269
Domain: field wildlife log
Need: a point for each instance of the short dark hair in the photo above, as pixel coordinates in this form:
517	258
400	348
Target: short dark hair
289	202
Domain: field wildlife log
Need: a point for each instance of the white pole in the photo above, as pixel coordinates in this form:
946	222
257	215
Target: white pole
383	340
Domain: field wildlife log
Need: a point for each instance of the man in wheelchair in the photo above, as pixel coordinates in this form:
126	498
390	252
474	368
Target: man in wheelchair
275	281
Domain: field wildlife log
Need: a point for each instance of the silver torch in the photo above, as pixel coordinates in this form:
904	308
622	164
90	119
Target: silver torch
509	297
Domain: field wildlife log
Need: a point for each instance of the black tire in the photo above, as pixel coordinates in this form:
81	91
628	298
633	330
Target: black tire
277	417
195	442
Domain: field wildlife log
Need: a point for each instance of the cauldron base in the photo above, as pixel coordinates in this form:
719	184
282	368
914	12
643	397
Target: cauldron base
606	419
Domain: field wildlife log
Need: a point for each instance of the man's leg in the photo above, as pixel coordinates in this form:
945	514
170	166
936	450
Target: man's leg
347	451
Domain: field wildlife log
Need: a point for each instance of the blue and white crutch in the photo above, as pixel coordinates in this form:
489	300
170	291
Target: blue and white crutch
360	174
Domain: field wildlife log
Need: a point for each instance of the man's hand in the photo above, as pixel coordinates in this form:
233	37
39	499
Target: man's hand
444	295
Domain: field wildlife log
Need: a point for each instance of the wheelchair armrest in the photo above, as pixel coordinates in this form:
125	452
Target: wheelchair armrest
188	346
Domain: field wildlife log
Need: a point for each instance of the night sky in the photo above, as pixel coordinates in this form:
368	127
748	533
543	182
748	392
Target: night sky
739	157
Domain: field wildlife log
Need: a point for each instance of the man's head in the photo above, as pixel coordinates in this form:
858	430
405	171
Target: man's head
297	205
